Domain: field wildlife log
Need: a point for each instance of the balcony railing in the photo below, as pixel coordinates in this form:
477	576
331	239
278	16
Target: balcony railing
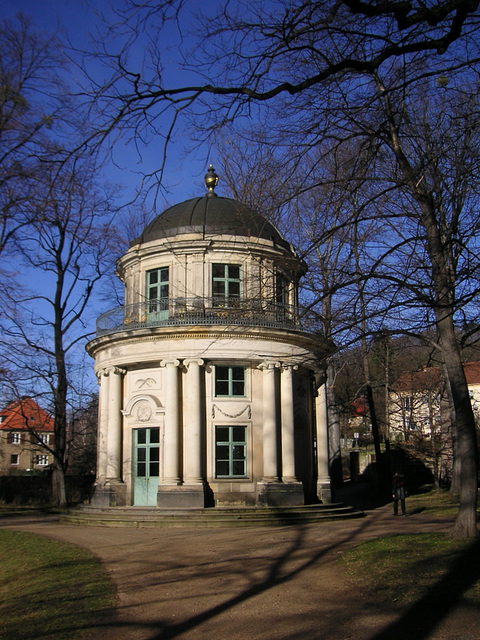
167	312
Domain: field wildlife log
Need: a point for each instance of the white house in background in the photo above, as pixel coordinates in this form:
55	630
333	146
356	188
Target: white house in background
419	402
209	379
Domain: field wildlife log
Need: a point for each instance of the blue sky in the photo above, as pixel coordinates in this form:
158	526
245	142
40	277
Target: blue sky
78	19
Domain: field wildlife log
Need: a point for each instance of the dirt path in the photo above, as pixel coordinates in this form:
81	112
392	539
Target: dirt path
278	583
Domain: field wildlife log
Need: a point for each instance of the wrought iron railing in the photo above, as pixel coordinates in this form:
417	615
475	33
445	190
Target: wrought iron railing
166	312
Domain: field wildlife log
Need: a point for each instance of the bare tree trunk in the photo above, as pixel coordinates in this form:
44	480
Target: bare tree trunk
334	449
433	432
457	463
61	395
381	467
443	284
59	490
467	454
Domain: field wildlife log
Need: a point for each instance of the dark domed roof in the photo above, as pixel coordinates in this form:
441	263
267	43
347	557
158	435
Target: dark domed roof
210	216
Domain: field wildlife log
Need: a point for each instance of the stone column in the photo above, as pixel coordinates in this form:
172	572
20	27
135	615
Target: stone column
171	453
102	426
110	490
192	418
114	438
270	458
323	477
287	412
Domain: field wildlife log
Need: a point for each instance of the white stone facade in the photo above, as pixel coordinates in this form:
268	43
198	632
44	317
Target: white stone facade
207	377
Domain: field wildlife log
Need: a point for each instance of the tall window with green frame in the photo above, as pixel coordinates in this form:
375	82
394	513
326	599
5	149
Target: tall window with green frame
226	284
229	381
158	292
230	451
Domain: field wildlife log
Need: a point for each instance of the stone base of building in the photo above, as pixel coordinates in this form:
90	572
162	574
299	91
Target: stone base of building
279	494
181	496
109	494
324	491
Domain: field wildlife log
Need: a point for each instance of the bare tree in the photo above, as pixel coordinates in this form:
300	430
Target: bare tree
31	101
65	249
233	60
421	270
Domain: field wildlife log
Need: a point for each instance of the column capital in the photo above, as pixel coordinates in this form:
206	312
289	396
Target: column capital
113	369
118	371
198	361
289	367
269	365
170	363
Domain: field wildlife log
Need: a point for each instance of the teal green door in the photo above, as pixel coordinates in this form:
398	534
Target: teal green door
146	466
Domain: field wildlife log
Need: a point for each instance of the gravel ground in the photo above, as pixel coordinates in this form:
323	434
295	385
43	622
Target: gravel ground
269	583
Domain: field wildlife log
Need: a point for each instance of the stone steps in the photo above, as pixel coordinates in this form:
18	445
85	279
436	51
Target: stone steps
211	517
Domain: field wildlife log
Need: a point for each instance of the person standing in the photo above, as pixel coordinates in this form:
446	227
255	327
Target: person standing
399	493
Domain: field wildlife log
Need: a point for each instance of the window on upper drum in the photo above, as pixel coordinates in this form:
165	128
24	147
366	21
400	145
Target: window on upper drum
229	381
281	289
230	451
226	282
157	284
158	293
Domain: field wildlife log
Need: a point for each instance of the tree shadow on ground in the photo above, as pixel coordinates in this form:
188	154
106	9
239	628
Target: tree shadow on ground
276	574
421	618
415	623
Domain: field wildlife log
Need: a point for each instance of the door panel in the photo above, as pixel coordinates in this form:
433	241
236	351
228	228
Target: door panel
146	469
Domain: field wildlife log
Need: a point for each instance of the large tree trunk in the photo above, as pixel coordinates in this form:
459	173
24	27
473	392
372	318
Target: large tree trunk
456	460
464	427
383	480
465	436
443	281
61	393
59	489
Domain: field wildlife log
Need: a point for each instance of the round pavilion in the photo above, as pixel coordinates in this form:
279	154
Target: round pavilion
208	392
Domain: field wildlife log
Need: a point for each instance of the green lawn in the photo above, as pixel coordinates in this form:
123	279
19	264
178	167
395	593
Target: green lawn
49	589
440	504
405	569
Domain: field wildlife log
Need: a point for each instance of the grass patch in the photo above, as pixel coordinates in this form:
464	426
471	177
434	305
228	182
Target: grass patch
441	504
403	569
49	589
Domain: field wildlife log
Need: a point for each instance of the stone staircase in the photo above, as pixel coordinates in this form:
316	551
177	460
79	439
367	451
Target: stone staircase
209	517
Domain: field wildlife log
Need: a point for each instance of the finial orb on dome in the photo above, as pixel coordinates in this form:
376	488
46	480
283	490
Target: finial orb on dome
211	181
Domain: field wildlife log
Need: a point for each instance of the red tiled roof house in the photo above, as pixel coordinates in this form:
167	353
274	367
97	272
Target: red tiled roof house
26	437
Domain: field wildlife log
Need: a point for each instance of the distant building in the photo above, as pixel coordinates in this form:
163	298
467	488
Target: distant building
419	401
26	430
210	379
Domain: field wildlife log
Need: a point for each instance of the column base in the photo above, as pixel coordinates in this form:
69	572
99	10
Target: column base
279	494
324	491
109	493
181	497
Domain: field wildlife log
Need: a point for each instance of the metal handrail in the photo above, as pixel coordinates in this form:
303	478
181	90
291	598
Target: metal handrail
167	312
